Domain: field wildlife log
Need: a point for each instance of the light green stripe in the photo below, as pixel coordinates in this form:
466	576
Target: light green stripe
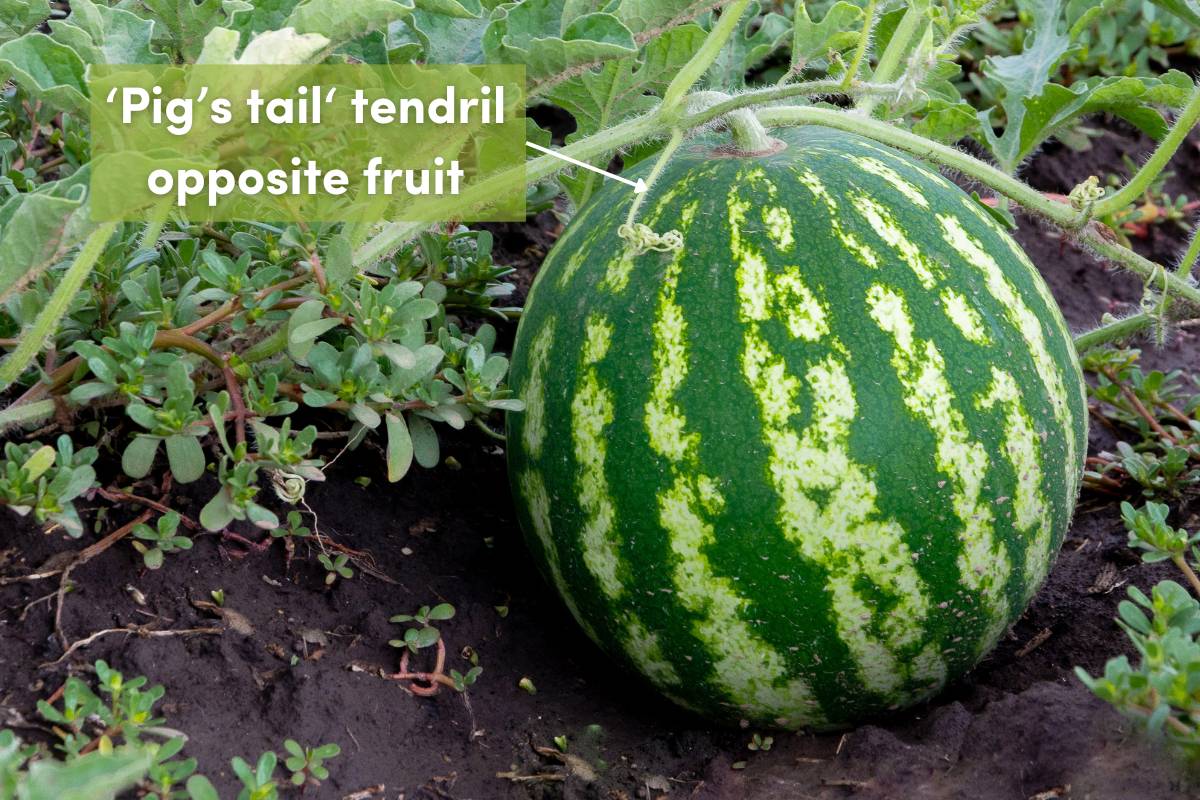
846	535
1022	448
747	669
927	270
983	561
897	181
864	254
534	395
1030	327
964	316
591	413
533	489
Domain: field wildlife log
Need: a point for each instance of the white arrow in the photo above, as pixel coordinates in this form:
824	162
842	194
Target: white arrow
639	185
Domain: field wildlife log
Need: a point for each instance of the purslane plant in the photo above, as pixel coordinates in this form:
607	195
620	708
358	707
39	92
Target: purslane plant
205	335
1155	414
110	741
1162	691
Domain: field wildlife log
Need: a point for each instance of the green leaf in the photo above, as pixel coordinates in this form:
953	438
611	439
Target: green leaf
422	637
1132	99
1184	9
217	513
813	42
755	39
946	121
94	776
46	323
425	441
1024	76
343	20
200	788
40	230
139	455
463	9
118	36
602	98
21	16
655	17
365	415
186	458
544	36
285	46
399	448
309	312
442	611
187	22
39	461
220	47
309	331
49	71
448	40
339	263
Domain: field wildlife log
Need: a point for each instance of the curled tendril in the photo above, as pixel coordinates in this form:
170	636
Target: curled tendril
1085	195
289	487
642	238
1154	303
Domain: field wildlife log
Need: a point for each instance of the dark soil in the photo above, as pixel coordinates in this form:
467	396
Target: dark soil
1020	726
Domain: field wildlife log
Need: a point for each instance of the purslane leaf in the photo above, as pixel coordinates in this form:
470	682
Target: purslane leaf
1184	9
186	458
399	448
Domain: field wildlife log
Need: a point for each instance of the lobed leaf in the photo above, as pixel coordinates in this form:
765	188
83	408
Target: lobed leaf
48	70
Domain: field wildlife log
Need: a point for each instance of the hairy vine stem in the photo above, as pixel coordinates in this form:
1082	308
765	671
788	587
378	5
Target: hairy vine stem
1187	119
60	301
890	61
702	59
1075	221
864	39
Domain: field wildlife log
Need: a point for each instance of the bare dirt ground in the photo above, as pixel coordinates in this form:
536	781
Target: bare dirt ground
1020	726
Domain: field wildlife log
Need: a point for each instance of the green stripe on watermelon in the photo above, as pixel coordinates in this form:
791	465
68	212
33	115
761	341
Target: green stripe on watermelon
777	504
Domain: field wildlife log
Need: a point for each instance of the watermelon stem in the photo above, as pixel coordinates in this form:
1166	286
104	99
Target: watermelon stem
750	136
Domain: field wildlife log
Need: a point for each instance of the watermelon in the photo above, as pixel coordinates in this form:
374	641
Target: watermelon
810	466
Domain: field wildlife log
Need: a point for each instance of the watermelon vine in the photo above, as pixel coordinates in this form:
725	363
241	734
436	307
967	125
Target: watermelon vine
190	346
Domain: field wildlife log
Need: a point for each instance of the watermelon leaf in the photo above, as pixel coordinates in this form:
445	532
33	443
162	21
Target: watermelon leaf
21	16
755	39
544	36
813	42
48	70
